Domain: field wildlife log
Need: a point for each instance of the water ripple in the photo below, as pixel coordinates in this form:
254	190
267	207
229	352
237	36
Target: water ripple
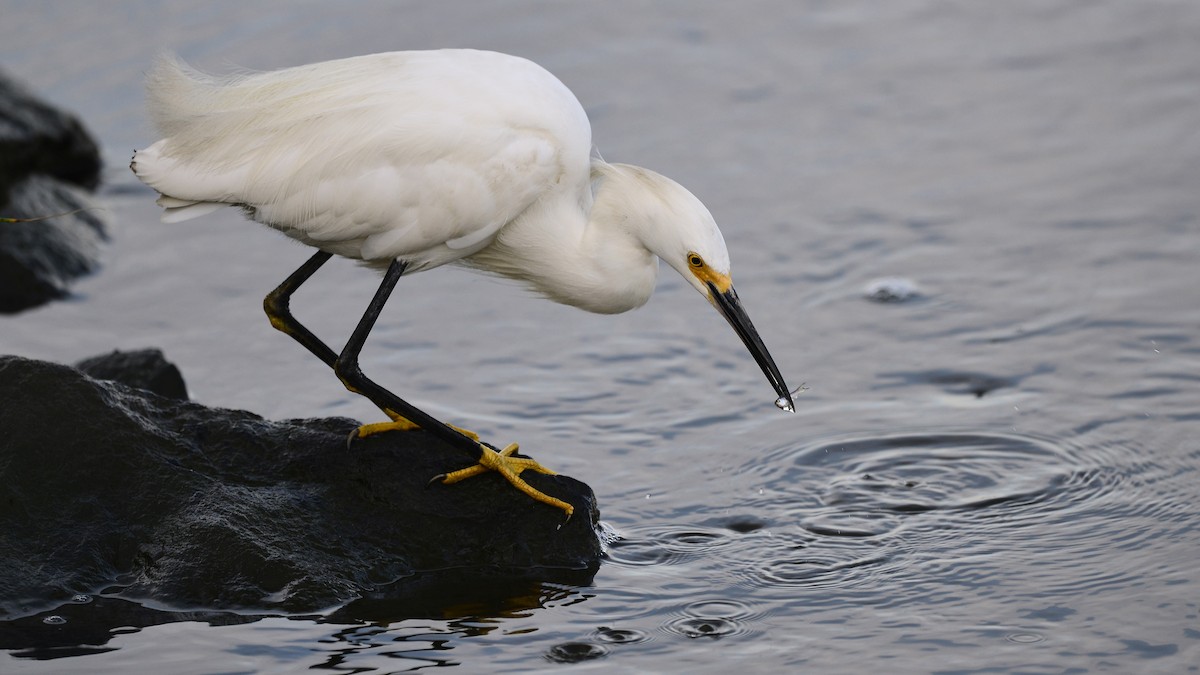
924	518
853	514
575	652
705	627
818	569
620	635
715	618
667	545
867	486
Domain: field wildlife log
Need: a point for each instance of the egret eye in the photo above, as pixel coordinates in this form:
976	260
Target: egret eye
695	261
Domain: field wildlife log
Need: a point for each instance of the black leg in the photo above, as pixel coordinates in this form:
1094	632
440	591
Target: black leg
345	366
347	369
280	314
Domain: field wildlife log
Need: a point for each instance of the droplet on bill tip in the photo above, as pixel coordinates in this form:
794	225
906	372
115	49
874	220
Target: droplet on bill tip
783	401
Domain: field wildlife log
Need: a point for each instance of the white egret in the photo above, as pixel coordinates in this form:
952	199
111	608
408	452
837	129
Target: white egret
411	160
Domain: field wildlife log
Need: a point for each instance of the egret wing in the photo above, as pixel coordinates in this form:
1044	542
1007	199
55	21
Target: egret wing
391	155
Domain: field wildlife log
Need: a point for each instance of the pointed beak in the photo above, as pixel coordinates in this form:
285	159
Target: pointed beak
731	308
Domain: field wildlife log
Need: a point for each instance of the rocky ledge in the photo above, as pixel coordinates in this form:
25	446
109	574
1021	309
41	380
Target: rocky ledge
113	490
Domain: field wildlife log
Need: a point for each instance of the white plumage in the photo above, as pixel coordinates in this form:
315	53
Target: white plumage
411	160
431	157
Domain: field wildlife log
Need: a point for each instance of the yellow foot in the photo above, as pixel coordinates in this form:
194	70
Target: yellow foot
365	430
510	467
501	462
400	423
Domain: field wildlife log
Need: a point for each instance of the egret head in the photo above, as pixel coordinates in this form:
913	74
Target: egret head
676	226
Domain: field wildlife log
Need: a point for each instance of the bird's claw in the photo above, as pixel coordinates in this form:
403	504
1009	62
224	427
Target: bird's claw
510	468
502	462
398	423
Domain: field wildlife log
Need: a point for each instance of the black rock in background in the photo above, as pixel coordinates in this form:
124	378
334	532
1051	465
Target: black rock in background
108	488
144	369
36	137
48	164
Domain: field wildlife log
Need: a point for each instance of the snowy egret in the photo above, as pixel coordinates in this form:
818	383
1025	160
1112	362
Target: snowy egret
411	160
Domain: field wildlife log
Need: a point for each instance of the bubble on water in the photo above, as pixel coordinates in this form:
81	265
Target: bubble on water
712	627
713	619
574	652
54	620
892	289
620	635
81	599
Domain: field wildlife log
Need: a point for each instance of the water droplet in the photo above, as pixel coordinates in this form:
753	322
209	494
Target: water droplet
782	401
81	598
1024	638
54	620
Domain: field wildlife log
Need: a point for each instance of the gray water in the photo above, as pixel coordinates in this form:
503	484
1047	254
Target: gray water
996	474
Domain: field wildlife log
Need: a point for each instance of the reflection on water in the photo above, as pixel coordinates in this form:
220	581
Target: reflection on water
993	466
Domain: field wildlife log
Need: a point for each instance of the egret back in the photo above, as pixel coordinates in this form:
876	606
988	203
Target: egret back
422	156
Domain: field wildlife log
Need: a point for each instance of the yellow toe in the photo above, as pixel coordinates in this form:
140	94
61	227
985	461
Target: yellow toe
501	462
398	424
465	432
402	423
510	468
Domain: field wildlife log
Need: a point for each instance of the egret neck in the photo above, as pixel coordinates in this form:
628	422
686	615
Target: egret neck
602	252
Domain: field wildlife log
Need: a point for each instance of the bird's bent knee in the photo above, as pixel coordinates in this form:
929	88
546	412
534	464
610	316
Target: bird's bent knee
348	372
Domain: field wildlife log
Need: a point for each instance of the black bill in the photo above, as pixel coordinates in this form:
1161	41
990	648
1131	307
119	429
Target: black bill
731	309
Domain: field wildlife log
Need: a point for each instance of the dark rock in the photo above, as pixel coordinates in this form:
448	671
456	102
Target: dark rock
37	138
104	487
48	162
143	369
39	259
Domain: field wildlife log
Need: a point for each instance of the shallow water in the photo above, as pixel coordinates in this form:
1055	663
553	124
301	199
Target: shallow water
995	472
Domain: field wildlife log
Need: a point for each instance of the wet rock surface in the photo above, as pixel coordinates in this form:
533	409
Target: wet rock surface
113	490
48	165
